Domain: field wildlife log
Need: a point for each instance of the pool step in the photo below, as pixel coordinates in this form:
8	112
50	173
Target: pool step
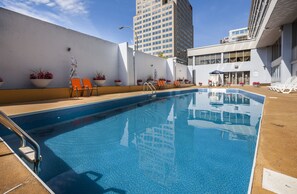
28	153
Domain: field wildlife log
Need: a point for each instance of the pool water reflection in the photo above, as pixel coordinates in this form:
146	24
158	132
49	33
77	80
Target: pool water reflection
193	143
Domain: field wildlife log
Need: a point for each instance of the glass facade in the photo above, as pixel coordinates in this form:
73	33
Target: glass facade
237	56
237	77
228	57
208	59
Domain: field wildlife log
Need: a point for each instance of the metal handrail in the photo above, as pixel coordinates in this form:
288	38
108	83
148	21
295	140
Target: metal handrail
149	85
12	126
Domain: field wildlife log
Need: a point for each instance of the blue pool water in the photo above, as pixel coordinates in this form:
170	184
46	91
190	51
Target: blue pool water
199	142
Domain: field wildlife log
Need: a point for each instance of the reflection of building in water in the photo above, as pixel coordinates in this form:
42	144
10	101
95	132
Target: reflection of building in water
157	152
232	113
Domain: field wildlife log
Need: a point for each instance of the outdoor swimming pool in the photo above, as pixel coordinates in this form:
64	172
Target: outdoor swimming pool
197	142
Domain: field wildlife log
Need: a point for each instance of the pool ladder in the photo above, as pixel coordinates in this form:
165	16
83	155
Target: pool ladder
148	86
30	152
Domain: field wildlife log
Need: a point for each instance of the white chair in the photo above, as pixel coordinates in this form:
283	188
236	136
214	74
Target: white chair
279	87
287	88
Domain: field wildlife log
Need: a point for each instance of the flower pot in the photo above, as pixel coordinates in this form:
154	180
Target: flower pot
99	82
118	83
41	83
1	83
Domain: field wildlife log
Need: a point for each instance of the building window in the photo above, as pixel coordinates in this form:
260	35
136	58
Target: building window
190	60
276	49
237	56
208	59
276	74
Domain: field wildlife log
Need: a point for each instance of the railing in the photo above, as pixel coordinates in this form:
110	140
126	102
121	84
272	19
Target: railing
31	154
148	86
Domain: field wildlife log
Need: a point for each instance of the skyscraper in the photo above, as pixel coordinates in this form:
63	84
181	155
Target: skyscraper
164	27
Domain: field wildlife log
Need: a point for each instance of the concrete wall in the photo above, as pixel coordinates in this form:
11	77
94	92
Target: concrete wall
29	44
147	64
181	71
286	48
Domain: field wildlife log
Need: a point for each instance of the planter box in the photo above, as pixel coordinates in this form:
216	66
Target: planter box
99	82
118	83
41	83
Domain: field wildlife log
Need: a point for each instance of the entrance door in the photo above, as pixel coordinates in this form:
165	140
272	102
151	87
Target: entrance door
233	78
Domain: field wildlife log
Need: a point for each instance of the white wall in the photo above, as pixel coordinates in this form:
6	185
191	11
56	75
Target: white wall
181	71
123	67
170	70
29	44
146	65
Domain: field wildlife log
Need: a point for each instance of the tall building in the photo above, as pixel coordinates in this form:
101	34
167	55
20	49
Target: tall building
269	55
164	27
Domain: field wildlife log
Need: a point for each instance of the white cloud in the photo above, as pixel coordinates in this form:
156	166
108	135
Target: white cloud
27	9
67	13
76	7
72	6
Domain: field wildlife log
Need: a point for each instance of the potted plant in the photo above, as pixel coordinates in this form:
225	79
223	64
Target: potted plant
139	82
99	79
256	84
168	81
186	81
41	78
1	81
200	83
209	82
117	82
150	79
241	83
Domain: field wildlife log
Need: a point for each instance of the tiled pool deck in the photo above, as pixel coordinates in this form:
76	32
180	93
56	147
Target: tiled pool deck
277	146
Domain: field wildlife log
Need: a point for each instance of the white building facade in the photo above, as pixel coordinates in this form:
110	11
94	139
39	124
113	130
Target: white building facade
269	56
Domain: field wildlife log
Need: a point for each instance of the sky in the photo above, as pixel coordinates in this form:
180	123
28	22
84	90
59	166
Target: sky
212	19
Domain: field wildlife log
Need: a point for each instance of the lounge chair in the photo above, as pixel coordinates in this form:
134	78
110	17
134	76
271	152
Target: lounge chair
176	84
278	86
289	88
77	87
286	86
87	84
161	84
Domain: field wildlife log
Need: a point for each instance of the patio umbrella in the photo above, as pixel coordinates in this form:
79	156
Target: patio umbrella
216	72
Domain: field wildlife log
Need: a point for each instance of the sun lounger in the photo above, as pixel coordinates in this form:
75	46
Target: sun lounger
87	84
176	84
278	86
161	84
286	86
77	87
